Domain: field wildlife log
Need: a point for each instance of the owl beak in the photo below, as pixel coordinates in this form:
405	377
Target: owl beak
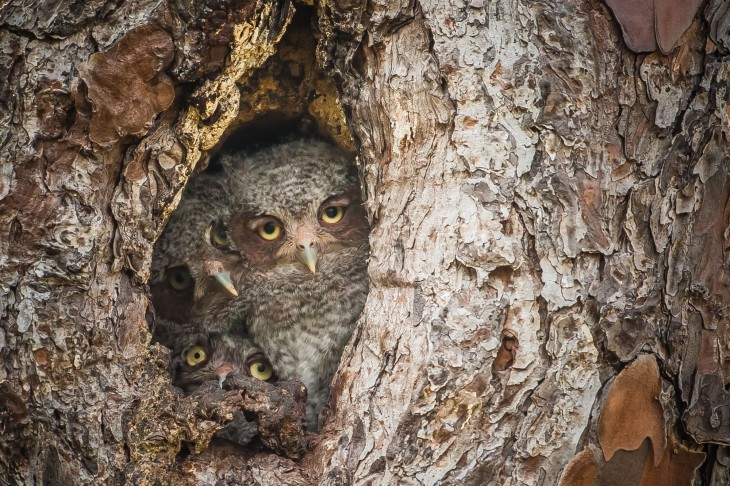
305	239
224	278
216	270
222	372
308	256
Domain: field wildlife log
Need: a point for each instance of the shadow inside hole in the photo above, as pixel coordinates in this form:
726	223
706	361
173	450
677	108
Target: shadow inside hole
267	130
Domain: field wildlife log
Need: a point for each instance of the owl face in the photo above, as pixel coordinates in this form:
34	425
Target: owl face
205	357
300	226
191	260
299	205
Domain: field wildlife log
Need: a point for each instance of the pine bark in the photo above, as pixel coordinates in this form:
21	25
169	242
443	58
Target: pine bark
549	299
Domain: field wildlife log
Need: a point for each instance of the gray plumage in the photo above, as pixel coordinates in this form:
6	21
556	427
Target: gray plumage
302	232
201	358
190	260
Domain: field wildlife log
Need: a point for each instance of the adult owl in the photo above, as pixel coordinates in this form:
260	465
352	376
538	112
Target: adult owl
190	271
299	224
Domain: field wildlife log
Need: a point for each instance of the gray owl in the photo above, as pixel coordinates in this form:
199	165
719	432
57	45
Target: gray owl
301	229
190	276
200	358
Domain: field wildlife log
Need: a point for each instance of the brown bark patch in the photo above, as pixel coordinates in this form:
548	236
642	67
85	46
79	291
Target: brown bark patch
506	354
648	24
672	19
13	410
127	86
676	467
632	411
53	104
626	467
582	470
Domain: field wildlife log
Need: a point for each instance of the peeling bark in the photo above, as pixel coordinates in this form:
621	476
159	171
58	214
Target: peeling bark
550	218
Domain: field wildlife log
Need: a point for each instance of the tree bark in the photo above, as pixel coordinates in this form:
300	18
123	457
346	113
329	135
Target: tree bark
549	299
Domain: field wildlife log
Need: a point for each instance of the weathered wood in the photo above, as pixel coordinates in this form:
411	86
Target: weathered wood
550	222
520	167
75	342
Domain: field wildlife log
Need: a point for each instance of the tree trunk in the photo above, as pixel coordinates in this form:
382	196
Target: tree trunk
550	210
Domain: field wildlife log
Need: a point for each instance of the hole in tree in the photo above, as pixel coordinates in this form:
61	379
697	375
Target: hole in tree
252	248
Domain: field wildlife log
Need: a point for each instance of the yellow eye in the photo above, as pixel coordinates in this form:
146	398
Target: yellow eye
219	235
269	231
261	369
179	278
195	355
333	214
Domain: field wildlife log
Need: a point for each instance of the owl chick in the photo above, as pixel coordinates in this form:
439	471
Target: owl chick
206	357
301	229
190	277
200	358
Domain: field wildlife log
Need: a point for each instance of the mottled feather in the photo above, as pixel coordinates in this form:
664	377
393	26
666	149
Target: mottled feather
202	358
184	293
300	319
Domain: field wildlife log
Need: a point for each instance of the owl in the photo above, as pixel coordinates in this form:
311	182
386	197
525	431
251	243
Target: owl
201	358
190	276
299	224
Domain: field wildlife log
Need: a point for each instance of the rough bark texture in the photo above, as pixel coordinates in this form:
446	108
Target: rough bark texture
550	266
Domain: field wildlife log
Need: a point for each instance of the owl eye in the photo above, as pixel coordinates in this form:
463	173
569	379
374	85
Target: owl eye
332	214
219	235
261	369
179	278
269	231
195	356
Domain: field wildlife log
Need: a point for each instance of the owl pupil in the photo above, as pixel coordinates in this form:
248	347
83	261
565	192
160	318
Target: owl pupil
269	228
331	212
197	355
261	367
